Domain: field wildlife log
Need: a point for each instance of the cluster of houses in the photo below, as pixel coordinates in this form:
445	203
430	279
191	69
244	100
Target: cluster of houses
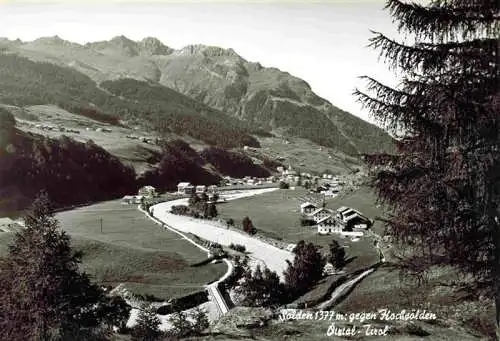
248	180
288	175
144	193
327	184
344	220
46	127
100	130
330	187
188	188
148	140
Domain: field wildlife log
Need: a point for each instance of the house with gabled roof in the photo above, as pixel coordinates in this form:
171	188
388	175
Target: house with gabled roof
185	188
308	207
352	218
328	225
319	214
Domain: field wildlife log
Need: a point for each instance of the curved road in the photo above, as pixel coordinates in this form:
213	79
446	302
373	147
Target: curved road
260	252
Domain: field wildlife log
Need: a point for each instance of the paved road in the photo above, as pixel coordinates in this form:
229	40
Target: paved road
260	252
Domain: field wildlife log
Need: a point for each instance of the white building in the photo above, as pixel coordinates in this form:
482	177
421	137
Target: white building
128	199
185	188
352	218
307	208
201	189
147	192
319	214
290	172
213	188
328	225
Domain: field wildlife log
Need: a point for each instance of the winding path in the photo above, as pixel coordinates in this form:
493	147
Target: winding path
260	252
342	289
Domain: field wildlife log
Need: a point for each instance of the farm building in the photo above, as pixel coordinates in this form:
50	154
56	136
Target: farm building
147	192
329	269
352	218
201	189
328	225
182	186
319	214
128	199
307	208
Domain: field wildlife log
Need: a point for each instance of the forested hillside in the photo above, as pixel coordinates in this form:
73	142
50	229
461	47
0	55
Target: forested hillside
232	163
71	172
209	81
179	163
25	82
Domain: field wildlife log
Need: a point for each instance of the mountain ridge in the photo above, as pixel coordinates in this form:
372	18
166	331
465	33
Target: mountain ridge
265	97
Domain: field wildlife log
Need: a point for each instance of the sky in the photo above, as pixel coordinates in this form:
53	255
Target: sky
324	43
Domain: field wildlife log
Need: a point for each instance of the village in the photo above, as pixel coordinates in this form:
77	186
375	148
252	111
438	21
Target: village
344	221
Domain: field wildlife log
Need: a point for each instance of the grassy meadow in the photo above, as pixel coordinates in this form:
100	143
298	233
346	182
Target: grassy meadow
277	214
133	250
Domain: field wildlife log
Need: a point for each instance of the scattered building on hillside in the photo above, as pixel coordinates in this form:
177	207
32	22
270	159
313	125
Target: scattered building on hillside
352	219
148	192
185	188
307	208
329	269
137	199
319	214
201	189
128	199
290	172
212	189
328	225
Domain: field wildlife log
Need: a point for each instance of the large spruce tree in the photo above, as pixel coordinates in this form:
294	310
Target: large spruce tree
442	185
43	294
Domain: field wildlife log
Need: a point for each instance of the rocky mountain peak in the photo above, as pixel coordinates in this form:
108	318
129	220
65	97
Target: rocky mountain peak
53	41
207	51
120	44
153	46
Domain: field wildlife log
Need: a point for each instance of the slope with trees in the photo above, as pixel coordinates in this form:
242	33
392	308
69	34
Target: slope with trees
261	99
44	295
25	82
233	164
71	172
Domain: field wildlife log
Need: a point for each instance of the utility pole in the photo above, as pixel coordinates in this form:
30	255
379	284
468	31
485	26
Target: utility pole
100	220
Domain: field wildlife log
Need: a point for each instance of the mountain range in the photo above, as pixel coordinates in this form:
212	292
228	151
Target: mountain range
194	91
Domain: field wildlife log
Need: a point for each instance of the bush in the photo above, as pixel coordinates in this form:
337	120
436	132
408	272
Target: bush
284	185
180	210
307	222
248	226
238	247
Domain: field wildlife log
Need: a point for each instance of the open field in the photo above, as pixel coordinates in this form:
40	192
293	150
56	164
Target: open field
278	213
134	250
306	156
260	252
132	152
274	212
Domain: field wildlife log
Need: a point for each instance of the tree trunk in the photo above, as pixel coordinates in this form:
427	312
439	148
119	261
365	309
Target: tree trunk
496	278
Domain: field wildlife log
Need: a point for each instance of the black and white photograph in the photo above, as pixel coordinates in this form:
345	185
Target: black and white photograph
249	170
